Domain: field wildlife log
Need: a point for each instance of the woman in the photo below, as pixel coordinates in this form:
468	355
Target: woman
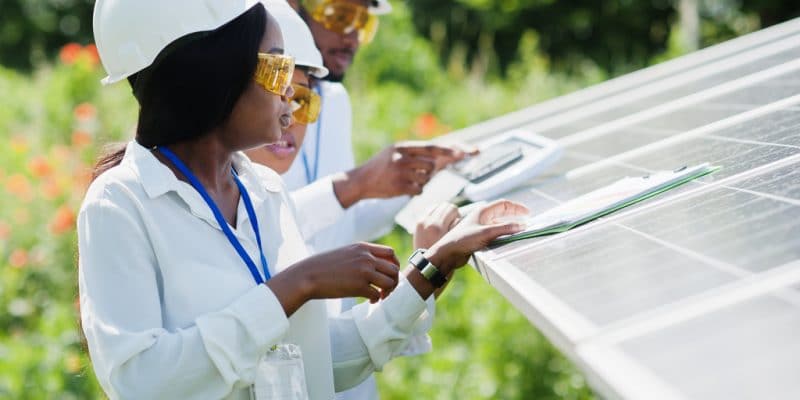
279	157
306	104
194	279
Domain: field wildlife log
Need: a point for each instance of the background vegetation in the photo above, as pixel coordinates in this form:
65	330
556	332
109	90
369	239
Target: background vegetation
434	67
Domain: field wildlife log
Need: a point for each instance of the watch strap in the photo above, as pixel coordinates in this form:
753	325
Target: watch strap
427	269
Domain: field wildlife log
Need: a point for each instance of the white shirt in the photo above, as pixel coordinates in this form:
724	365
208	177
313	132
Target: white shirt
170	310
330	226
328	150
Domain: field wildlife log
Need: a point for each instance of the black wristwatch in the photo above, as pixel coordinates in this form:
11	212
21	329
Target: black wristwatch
428	270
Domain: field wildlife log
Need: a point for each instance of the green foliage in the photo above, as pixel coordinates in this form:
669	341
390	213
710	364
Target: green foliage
50	124
32	30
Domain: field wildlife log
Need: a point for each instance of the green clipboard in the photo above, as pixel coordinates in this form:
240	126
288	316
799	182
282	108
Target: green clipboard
606	200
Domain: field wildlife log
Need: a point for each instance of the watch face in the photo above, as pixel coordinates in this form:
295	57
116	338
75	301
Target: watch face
418	258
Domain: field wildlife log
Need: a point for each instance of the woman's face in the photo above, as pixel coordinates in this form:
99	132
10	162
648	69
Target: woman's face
280	155
259	116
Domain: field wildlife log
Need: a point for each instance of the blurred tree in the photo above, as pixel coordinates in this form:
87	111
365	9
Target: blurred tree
771	12
32	31
481	34
615	34
611	33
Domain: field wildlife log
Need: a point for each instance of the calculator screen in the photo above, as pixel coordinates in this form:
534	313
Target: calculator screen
493	159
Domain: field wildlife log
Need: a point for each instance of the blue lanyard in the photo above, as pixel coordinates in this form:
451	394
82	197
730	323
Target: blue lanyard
312	178
221	220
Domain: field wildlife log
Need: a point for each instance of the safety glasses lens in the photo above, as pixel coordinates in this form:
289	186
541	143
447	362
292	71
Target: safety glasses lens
274	72
344	18
308	104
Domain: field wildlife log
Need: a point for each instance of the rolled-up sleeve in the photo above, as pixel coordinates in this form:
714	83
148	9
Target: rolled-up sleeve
133	355
368	336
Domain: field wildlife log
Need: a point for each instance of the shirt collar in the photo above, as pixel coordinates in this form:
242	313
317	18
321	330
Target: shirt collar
157	179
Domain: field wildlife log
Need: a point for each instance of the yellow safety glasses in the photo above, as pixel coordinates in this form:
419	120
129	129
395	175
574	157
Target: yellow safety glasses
307	104
343	17
274	72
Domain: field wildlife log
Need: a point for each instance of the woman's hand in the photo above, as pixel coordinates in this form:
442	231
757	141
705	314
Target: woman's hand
358	270
474	232
440	220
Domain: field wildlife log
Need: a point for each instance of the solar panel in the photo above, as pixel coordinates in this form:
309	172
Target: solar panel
696	292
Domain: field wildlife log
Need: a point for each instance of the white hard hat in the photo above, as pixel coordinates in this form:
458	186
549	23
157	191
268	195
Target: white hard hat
129	34
380	7
297	39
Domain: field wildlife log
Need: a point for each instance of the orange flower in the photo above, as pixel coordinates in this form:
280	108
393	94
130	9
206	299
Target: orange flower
428	126
60	153
85	111
39	167
50	189
70	53
5	231
19	186
18	258
63	221
82	177
81	138
91	54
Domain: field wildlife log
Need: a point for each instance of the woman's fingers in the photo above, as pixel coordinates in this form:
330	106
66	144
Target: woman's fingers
492	232
382	252
370	293
501	211
448	214
385	267
382	282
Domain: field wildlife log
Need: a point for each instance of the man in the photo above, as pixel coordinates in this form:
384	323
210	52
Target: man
352	204
326	163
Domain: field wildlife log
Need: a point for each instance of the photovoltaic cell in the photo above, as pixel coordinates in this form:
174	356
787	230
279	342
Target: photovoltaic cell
782	127
746	351
758	95
572	160
607	273
733	157
783	182
620	141
744	230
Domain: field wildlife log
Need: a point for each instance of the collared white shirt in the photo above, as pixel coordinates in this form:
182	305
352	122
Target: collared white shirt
328	150
170	310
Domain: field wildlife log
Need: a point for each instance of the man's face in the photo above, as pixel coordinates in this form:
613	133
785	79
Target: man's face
337	49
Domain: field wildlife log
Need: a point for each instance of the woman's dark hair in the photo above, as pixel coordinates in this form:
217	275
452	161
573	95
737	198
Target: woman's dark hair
193	84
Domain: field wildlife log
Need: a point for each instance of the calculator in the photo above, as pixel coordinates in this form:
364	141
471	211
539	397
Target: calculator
505	162
489	161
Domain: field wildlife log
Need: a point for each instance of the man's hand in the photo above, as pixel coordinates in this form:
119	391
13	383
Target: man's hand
401	169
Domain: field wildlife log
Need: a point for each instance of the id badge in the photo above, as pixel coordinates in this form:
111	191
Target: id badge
280	375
